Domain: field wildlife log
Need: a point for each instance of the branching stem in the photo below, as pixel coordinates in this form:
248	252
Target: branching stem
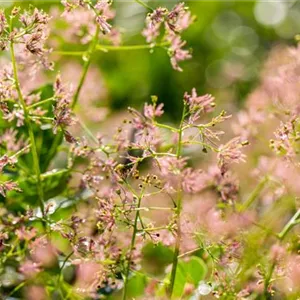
35	157
178	210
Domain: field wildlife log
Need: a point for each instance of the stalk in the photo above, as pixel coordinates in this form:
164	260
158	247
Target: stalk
292	222
178	211
133	238
35	158
256	192
86	65
144	4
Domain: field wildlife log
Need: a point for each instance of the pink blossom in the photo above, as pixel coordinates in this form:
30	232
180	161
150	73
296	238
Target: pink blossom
151	111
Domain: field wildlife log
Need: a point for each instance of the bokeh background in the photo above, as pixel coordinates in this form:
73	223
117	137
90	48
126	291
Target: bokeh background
229	40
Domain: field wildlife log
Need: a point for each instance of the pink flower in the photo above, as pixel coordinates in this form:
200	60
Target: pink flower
151	110
171	165
9	186
204	103
25	233
176	52
30	268
231	153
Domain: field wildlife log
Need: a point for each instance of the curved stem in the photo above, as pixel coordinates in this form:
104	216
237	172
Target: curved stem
292	222
86	65
256	192
59	135
35	158
178	211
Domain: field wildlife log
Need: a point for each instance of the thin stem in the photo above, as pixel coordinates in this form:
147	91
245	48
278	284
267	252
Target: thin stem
88	131
268	280
21	151
292	222
130	47
166	127
178	210
86	65
107	48
54	173
35	158
61	268
144	4
151	229
190	252
135	231
258	189
40	103
70	53
154	208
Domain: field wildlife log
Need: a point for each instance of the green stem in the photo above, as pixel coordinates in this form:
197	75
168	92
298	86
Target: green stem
59	135
258	189
135	231
62	267
178	211
107	48
130	47
70	53
21	151
292	222
86	65
268	279
144	4
35	157
40	103
190	252
166	127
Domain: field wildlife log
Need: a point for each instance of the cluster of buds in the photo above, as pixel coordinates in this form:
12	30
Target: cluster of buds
174	22
63	116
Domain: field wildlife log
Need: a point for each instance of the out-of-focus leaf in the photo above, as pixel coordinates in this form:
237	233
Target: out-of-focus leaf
180	280
136	285
195	269
53	185
156	258
191	271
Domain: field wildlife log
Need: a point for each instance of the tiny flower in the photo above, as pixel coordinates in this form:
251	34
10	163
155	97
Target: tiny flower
30	268
202	103
231	153
105	27
151	110
63	116
4	160
25	233
3	22
9	186
176	52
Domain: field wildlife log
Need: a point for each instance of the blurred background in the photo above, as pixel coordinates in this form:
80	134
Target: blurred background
229	41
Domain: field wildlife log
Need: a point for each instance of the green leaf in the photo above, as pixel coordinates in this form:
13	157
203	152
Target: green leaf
191	271
53	184
196	270
180	280
136	285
